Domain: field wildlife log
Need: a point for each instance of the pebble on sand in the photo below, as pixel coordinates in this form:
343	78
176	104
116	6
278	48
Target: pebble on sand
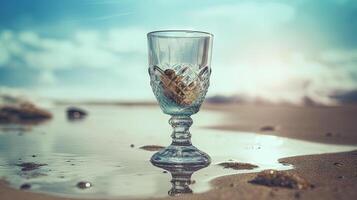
84	185
29	166
74	113
274	178
237	165
25	186
267	128
152	147
329	134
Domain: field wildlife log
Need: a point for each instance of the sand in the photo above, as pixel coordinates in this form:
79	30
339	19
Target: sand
334	176
333	125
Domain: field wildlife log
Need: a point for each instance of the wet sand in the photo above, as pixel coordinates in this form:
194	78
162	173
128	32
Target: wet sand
331	180
334	125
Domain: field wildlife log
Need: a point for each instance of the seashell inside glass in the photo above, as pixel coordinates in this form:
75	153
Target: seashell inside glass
180	89
179	69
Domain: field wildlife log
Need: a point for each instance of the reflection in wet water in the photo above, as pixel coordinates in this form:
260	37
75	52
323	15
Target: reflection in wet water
103	149
181	177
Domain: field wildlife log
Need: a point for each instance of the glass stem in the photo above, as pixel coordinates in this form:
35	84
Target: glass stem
180	183
181	135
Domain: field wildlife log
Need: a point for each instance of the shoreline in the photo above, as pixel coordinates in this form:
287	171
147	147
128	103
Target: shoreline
305	123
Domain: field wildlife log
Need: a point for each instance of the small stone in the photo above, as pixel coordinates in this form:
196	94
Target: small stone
237	165
25	186
337	164
33	156
152	147
84	185
267	128
341	177
74	113
328	134
132	145
165	172
29	166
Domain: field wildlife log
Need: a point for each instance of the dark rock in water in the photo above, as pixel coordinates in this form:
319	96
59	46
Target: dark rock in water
267	128
29	166
152	147
25	186
237	165
23	114
274	178
84	185
74	113
132	145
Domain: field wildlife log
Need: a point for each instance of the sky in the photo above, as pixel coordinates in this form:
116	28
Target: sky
279	51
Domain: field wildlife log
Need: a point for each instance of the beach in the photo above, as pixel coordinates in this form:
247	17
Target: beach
332	175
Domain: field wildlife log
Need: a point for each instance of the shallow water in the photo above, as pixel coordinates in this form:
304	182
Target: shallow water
97	149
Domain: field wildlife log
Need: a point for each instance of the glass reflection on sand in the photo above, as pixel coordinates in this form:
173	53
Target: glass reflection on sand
98	149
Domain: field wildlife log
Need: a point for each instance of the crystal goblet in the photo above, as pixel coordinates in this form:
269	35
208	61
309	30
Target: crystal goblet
179	69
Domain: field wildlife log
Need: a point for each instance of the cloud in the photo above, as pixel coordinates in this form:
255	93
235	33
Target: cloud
93	49
260	72
262	50
113	60
339	56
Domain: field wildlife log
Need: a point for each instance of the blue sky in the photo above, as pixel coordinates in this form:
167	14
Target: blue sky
96	49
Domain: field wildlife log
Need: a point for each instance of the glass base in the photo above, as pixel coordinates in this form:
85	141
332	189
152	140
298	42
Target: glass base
180	156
